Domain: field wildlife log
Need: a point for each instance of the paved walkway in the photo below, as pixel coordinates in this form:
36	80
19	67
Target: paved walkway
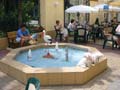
3	53
101	82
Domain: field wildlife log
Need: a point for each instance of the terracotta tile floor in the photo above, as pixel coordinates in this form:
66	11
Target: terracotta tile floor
101	82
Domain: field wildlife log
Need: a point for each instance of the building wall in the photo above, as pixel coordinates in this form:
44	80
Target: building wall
93	16
43	12
50	11
100	14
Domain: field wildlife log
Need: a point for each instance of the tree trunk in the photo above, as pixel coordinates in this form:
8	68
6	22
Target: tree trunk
39	12
19	12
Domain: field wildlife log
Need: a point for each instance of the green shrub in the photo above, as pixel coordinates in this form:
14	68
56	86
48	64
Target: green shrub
2	34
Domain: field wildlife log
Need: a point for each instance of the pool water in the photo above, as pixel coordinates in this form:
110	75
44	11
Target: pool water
37	60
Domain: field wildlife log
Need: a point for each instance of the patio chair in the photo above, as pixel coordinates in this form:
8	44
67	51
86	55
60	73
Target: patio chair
109	38
114	26
92	33
33	82
70	33
82	34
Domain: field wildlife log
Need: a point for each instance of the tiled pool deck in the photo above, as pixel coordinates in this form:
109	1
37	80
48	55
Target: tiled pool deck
101	82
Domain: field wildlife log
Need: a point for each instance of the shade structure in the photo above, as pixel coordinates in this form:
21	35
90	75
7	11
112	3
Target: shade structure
80	9
106	7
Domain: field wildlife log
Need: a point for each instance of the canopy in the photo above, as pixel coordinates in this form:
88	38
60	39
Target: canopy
81	9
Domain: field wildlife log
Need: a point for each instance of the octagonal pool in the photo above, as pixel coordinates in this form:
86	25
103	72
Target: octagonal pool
62	69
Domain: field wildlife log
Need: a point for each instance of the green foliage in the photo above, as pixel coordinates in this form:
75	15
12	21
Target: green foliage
1	11
9	14
27	7
2	34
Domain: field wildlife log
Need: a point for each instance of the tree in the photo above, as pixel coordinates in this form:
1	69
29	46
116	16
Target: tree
15	12
8	14
25	7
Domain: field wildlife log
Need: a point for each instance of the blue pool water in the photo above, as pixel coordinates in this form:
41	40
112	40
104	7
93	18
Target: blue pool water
74	56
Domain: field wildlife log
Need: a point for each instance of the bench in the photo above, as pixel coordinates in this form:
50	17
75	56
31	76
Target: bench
12	39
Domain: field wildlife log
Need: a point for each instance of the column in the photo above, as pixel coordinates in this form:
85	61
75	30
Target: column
86	2
50	11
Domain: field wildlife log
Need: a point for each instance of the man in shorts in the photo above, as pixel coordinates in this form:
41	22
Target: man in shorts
23	35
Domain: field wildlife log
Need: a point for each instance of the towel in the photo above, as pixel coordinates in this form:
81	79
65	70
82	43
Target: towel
89	59
84	62
32	42
93	57
96	56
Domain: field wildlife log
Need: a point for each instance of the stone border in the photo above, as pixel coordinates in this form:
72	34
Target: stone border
51	76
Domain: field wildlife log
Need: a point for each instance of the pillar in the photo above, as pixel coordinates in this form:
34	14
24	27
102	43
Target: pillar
50	11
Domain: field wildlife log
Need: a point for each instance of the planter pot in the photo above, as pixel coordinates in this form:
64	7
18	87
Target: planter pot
3	43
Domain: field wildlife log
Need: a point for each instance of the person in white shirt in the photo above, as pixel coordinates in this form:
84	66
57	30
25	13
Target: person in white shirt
117	38
118	29
72	25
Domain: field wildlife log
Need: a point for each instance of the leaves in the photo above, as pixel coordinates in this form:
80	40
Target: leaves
9	13
27	8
